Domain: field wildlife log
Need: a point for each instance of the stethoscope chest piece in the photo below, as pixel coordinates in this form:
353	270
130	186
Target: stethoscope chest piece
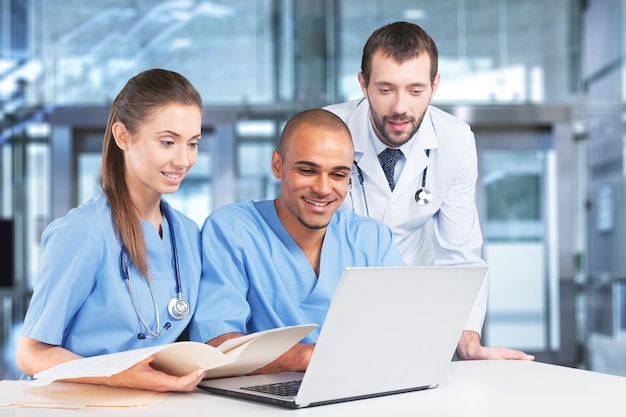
423	197
178	308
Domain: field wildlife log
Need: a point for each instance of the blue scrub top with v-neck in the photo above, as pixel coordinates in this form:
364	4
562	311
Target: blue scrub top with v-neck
80	300
255	277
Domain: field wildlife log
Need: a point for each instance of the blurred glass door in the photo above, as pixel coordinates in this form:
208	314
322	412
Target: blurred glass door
517	200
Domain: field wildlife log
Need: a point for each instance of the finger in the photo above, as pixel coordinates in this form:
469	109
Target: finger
190	381
516	355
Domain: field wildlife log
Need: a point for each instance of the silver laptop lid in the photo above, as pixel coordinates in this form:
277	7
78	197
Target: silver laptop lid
390	329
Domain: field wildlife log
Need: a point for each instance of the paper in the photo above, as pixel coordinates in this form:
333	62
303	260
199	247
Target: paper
70	395
258	351
234	357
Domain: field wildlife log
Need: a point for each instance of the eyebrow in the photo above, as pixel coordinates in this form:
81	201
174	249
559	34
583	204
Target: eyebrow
314	165
387	83
171	132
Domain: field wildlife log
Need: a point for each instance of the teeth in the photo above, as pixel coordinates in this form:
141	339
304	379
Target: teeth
172	176
316	204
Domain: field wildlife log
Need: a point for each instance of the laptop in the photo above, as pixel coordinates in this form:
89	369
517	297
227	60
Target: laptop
388	330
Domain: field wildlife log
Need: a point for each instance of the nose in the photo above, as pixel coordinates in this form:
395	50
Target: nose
183	157
400	105
321	185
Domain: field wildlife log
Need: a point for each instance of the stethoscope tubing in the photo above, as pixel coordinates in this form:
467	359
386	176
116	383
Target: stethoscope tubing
178	307
422	196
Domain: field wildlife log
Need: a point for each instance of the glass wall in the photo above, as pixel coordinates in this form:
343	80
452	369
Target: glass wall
248	56
489	51
90	48
256	140
243	51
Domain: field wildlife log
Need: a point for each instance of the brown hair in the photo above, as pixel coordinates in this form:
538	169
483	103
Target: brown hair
141	96
401	41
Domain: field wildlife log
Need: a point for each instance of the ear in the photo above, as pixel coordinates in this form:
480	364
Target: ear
276	164
121	135
362	84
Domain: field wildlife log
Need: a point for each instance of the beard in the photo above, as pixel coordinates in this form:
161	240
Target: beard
391	137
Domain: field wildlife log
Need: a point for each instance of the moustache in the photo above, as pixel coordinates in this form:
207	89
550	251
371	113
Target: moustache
398	118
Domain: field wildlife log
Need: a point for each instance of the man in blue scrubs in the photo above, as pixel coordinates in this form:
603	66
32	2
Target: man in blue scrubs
277	263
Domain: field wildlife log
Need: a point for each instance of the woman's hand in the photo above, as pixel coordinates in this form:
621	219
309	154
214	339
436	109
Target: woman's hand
144	376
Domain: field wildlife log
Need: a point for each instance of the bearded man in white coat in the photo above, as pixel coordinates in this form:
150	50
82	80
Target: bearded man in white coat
427	196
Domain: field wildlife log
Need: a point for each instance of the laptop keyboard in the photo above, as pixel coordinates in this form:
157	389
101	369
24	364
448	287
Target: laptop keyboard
282	389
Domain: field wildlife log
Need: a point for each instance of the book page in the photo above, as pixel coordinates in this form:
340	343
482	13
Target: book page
303	329
259	350
243	355
175	358
181	358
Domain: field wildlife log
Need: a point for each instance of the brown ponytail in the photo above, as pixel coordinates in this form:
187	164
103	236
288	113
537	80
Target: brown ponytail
140	97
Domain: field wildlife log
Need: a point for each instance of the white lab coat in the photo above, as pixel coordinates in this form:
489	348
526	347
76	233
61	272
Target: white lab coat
444	232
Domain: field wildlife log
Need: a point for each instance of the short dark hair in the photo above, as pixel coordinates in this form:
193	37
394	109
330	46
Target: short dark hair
312	117
401	41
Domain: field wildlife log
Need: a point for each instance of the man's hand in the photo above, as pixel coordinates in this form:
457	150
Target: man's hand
295	359
470	348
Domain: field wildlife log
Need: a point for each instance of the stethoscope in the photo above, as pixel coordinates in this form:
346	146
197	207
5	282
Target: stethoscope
423	196
178	307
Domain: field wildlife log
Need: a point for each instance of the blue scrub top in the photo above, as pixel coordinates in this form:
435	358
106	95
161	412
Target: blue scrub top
80	300
255	277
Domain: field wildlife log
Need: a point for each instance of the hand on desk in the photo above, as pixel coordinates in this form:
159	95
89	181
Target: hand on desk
470	348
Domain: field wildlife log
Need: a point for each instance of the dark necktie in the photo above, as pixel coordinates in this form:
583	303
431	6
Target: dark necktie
388	158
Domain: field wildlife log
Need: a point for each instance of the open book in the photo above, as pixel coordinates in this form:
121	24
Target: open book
236	356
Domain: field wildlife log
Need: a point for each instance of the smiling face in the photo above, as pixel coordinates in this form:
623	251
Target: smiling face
398	95
314	169
162	151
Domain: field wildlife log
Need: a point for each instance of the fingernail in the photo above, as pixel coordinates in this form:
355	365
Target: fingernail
201	372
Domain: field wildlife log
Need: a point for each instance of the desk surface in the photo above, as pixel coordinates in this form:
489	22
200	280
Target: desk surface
471	388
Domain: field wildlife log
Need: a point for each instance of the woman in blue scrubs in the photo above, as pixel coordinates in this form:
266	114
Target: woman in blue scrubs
121	271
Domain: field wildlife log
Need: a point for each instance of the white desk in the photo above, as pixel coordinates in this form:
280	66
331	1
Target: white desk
471	388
